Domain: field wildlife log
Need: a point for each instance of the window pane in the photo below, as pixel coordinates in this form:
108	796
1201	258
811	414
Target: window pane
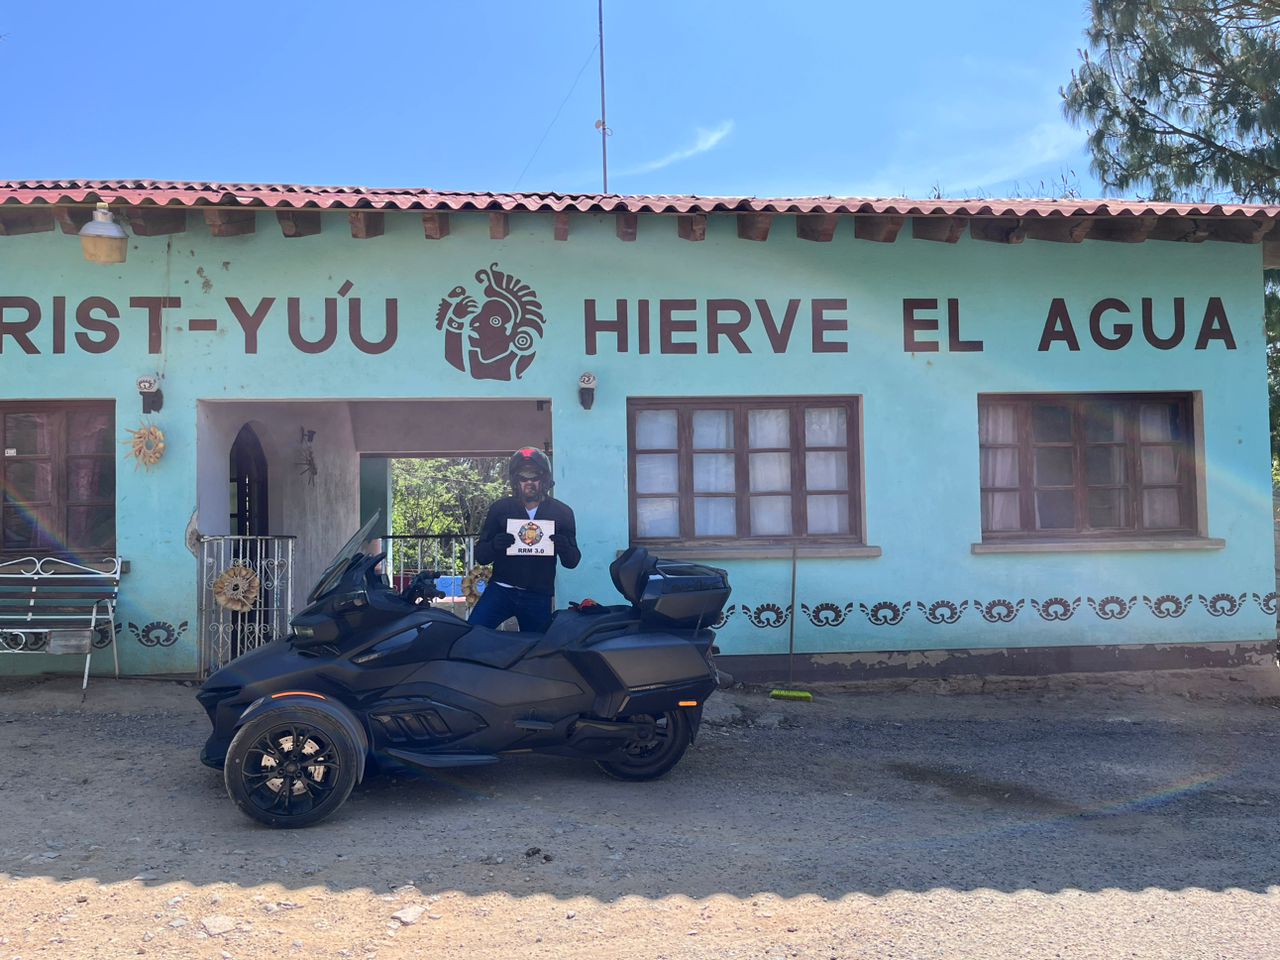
19	530
1000	511
1050	423
656	430
770	471
90	478
90	527
1103	423
656	473
1161	509
714	517
1107	508
26	434
1104	465
1159	465
768	428
1158	421
1055	510
658	518
713	473
999	467
27	480
770	516
713	429
827	470
998	423
828	514
825	427
1054	466
89	431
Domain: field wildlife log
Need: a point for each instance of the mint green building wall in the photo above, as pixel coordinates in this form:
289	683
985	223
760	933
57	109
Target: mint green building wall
919	409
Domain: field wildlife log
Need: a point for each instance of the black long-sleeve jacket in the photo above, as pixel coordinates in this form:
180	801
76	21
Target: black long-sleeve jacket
528	573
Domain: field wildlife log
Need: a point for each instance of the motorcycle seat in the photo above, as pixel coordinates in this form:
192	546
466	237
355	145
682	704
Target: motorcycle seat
492	648
576	628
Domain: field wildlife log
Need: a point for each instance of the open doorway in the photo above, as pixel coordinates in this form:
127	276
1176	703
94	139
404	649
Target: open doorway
438	505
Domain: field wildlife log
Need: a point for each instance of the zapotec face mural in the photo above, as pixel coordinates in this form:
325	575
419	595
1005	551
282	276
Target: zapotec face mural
501	332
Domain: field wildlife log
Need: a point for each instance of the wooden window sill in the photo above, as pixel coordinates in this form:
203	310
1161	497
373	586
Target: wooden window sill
1133	544
758	551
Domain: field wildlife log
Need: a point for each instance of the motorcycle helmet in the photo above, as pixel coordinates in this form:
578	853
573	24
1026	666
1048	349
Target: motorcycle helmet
529	462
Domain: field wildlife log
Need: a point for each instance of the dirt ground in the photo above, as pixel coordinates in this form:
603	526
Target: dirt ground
1134	817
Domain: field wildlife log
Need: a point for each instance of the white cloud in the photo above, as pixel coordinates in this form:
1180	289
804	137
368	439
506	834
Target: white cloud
704	141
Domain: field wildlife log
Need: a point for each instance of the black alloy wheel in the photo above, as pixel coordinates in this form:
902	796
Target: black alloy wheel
291	766
656	750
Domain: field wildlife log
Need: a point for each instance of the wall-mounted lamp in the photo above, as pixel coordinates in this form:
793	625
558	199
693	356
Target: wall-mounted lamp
102	239
587	390
152	397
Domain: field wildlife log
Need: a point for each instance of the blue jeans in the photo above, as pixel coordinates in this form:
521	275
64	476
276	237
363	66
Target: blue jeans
531	610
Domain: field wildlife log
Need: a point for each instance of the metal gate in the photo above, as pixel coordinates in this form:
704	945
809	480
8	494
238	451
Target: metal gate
246	596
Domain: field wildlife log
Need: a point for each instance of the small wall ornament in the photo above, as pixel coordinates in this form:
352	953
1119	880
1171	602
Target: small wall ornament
236	589
146	445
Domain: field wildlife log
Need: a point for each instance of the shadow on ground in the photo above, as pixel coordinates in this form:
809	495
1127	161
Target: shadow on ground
1030	790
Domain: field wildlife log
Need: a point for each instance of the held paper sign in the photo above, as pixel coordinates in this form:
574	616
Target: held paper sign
533	538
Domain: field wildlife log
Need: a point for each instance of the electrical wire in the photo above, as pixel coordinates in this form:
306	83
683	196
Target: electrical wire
559	109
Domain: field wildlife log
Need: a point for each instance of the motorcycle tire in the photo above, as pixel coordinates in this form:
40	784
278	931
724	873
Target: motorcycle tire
651	757
291	766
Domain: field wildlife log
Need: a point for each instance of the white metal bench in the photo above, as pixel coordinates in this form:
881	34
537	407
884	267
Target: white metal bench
55	606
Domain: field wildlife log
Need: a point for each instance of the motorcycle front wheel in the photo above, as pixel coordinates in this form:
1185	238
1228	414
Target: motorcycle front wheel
649	756
291	766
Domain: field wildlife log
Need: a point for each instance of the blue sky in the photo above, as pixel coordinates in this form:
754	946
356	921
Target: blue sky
704	96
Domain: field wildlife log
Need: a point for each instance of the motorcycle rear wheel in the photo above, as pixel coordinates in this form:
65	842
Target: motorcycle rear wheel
291	766
649	757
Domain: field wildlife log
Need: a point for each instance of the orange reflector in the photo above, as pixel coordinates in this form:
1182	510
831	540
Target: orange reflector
688	703
296	693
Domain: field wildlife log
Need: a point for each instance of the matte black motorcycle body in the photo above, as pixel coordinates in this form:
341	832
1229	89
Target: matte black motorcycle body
370	678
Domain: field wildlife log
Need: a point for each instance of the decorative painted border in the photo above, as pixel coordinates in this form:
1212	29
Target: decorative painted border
1054	609
157	633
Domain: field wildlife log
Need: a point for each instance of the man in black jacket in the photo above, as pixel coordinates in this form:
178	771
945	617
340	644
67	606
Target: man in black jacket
522	586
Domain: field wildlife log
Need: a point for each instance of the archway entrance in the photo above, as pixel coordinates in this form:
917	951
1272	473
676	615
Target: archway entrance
248	486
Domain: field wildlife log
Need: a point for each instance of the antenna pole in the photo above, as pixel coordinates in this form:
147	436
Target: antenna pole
604	129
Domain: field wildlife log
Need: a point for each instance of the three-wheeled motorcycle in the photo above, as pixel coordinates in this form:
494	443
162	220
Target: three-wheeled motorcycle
370	678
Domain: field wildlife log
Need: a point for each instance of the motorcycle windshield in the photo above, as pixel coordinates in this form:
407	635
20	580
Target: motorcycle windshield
333	572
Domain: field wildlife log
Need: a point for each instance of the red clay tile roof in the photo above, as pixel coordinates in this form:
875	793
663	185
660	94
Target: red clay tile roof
295	196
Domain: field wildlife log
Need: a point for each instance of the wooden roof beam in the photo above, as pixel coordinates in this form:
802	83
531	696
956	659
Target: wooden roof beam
562	225
1058	229
1123	229
941	229
1240	229
627	226
15	222
366	224
818	227
754	226
1180	230
71	219
878	229
997	229
230	223
435	225
499	225
692	226
299	223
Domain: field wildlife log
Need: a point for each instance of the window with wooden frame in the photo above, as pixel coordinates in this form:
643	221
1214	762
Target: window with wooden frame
1087	466
777	469
58	477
